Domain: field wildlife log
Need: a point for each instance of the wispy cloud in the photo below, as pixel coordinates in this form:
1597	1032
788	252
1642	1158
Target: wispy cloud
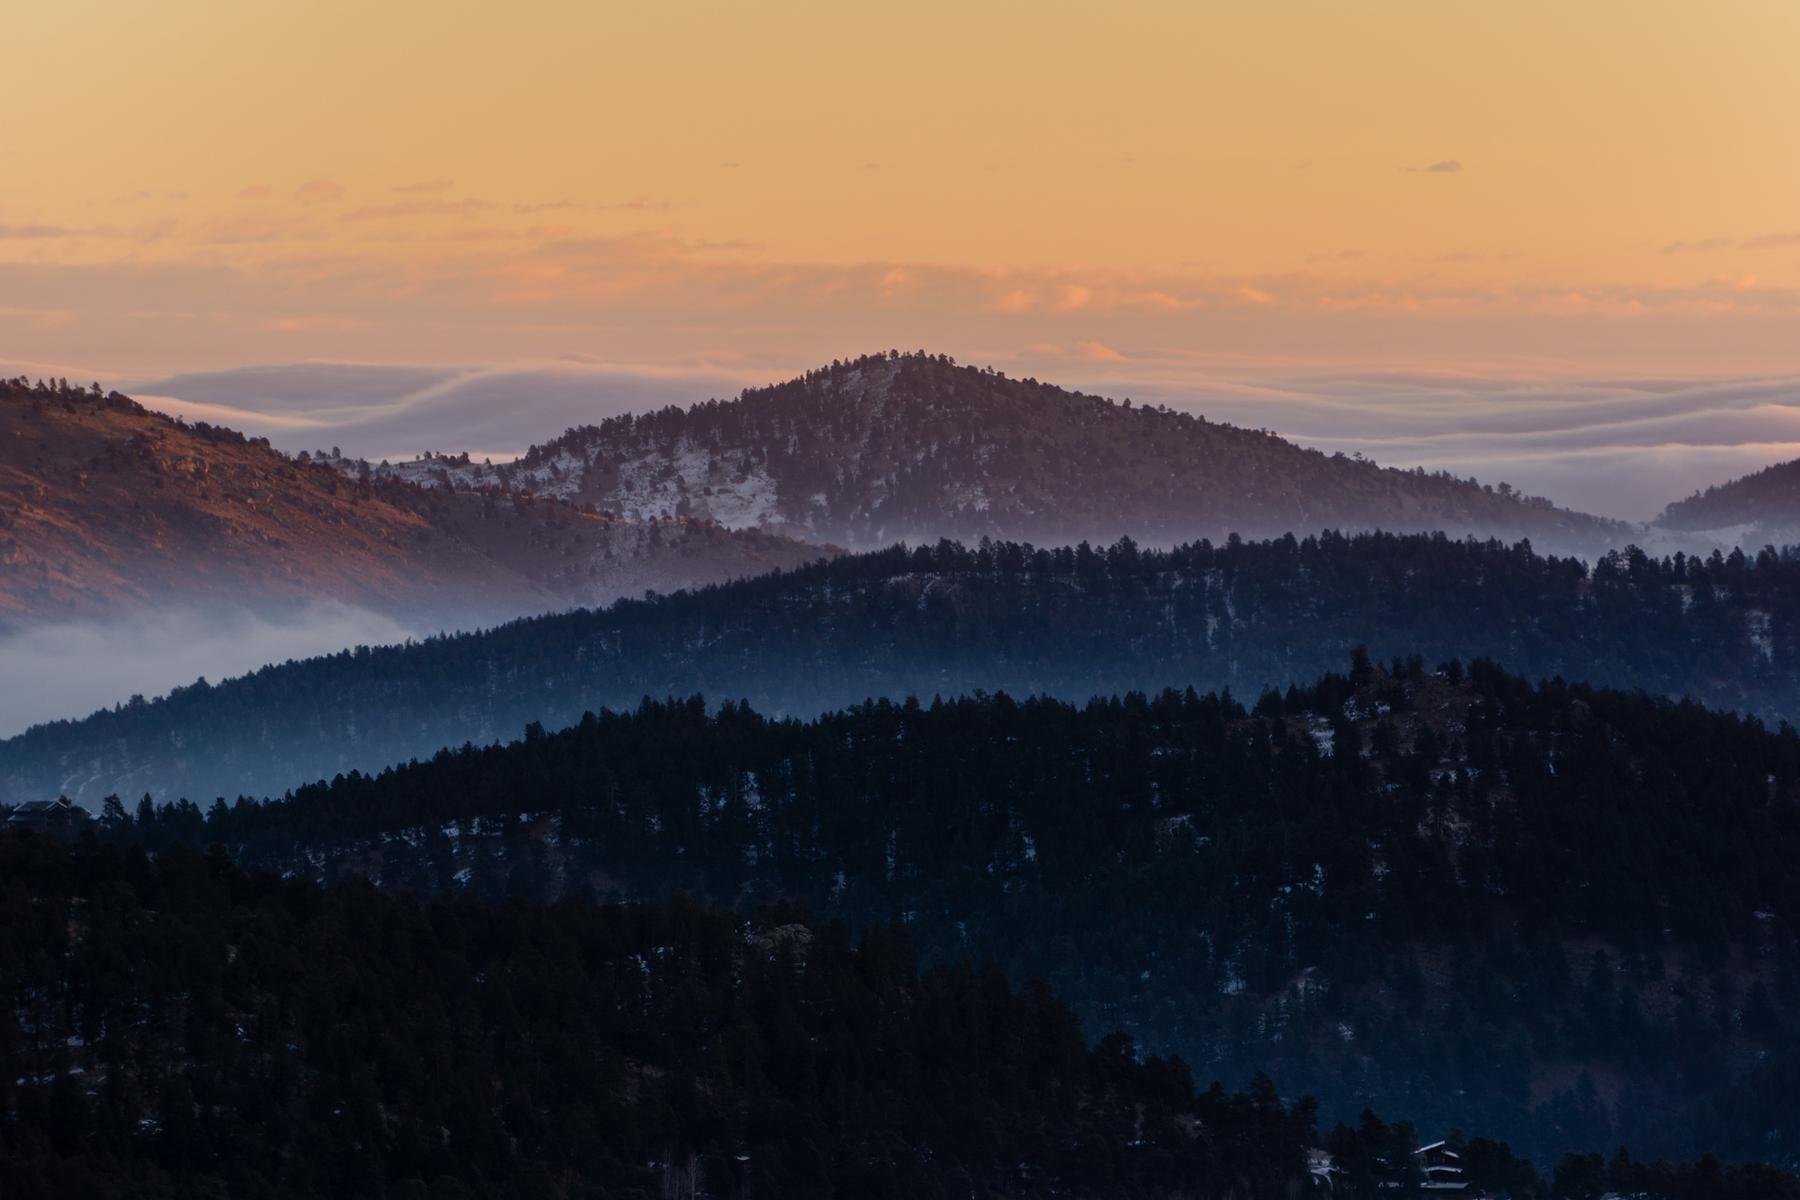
1073	297
1085	351
395	411
426	185
41	318
1444	166
311	324
418	208
318	191
1701	246
258	227
33	230
635	204
1773	241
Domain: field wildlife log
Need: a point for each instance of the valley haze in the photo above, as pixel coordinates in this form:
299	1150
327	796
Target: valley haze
50	669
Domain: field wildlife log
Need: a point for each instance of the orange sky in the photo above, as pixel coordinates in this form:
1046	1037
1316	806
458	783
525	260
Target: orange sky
1606	185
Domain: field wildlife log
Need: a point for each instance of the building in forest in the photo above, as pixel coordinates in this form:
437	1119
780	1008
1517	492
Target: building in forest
58	816
1440	1170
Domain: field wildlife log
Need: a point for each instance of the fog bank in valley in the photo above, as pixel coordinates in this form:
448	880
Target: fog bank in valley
70	669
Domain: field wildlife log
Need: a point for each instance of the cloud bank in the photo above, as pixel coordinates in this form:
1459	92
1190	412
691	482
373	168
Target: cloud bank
399	412
1620	447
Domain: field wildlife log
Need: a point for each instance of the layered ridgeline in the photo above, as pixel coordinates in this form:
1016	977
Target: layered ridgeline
913	447
951	619
178	1028
109	508
1559	915
1759	508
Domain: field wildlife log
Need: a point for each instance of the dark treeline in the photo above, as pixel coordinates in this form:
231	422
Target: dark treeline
949	619
177	1027
1767	498
1591	1177
1558	914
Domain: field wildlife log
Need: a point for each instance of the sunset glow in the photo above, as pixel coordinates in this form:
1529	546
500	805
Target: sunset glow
1601	187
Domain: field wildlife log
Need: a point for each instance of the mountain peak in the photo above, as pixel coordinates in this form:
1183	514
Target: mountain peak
888	446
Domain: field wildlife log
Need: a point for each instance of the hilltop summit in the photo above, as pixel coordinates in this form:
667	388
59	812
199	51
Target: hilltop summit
914	447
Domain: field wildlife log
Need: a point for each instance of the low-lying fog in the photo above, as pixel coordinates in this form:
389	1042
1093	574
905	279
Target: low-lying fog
69	670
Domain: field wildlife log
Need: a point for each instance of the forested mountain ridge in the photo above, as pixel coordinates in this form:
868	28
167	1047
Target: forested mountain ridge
949	619
912	447
1766	502
107	507
1560	915
178	1028
186	1028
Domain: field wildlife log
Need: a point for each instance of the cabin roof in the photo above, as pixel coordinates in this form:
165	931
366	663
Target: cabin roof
38	808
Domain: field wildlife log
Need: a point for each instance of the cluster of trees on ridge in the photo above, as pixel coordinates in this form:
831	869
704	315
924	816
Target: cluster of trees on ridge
1766	498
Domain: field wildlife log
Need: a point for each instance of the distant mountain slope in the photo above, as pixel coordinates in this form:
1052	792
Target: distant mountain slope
1765	506
913	447
1560	914
105	506
950	619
